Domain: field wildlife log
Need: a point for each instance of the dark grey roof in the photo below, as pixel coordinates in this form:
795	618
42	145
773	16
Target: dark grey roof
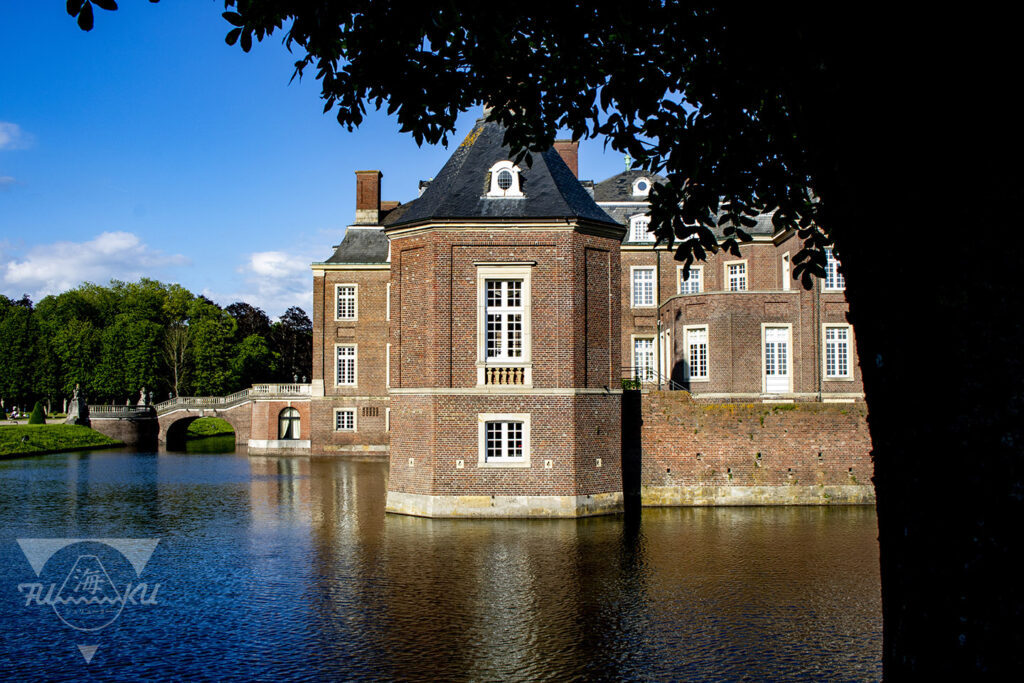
396	214
361	245
622	214
457	192
619	188
763	227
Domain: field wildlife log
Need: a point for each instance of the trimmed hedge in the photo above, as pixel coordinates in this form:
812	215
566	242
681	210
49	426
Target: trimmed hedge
38	416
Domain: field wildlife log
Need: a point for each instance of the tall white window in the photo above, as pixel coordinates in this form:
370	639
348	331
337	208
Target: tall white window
697	353
504	317
643	359
346	365
787	279
345	420
736	276
638	229
643	287
346	302
776	360
834	280
503	341
692	284
837	352
387	302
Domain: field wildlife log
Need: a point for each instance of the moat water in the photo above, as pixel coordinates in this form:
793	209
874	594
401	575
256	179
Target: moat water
277	569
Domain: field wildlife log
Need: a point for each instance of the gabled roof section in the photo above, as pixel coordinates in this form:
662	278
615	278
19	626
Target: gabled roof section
361	245
459	190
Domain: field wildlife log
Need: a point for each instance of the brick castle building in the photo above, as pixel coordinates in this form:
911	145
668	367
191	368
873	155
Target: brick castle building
479	334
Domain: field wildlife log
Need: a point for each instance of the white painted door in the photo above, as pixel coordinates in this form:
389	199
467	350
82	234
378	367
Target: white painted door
776	360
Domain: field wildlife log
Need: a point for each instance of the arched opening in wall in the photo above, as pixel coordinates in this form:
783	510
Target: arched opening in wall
289	425
201	435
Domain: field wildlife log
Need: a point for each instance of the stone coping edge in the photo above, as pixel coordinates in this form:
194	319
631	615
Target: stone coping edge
504	507
697	496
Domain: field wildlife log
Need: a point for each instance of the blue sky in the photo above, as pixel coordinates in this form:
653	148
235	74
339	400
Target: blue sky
148	147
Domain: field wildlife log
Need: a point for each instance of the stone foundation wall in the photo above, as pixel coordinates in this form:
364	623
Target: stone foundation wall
136	432
753	454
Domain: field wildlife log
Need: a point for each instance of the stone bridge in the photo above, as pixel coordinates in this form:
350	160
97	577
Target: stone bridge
169	421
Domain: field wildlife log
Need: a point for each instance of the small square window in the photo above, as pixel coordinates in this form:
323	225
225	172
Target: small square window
692	284
504	440
345	420
736	276
638	229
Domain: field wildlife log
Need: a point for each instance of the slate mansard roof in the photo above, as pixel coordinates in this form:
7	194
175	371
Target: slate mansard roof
361	245
615	196
459	190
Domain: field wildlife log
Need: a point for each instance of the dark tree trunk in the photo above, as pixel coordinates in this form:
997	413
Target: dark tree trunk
934	262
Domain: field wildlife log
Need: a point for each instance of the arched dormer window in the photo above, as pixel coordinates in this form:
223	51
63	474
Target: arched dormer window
504	180
641	187
638	229
288	425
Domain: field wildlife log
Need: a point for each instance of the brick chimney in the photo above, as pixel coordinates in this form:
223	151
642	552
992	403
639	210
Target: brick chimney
368	197
569	150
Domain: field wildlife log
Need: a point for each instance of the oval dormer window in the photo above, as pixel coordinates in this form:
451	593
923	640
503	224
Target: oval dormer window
505	179
641	187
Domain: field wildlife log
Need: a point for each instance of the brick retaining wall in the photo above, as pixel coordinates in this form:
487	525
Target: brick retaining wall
753	454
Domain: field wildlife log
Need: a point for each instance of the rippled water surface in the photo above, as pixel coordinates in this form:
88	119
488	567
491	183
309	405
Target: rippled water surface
289	569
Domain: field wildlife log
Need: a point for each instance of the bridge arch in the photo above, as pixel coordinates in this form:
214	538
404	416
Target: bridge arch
174	424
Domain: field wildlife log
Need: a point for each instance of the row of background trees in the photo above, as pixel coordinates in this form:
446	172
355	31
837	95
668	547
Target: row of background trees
113	340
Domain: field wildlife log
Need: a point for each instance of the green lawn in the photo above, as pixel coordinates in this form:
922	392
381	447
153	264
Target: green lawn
209	426
29	439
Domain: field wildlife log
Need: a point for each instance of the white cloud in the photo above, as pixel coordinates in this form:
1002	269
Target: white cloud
273	281
6	180
53	268
13	137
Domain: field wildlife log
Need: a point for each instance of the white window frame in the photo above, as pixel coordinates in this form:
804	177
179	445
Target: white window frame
355	419
355	302
787	279
387	419
687	330
693	269
387	301
726	280
832	274
789	357
638	229
387	365
355	365
632	287
848	377
482	420
637	192
512	271
654	356
514	190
